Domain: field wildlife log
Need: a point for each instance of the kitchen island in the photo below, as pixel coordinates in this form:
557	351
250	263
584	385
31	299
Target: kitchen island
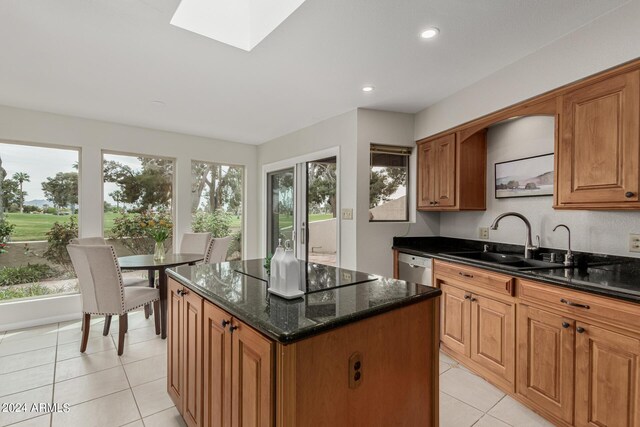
355	350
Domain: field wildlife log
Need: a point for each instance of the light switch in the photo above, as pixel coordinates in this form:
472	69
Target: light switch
347	213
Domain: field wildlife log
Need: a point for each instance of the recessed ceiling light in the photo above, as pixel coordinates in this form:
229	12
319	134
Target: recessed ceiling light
430	33
368	88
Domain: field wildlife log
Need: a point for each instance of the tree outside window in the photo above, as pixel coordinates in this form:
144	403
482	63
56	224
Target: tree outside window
388	182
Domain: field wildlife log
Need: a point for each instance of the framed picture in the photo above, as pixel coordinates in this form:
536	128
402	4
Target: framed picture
528	177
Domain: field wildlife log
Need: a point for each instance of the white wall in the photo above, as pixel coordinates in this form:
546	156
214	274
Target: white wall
592	231
375	238
91	137
605	42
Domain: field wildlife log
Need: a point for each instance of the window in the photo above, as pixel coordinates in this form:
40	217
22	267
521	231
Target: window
38	216
138	191
388	183
217	202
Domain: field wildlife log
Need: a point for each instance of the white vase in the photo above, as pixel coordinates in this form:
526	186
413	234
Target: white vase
289	270
276	261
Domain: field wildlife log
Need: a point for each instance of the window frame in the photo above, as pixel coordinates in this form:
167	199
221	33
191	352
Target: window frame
403	151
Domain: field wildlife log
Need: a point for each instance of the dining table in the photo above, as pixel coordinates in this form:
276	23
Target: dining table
147	262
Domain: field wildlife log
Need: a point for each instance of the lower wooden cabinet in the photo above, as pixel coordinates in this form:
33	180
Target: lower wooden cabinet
455	328
607	378
546	351
175	343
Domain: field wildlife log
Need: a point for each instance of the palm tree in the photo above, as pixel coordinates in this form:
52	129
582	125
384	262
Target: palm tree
21	177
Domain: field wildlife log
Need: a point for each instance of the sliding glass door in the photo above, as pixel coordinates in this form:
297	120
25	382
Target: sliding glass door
280	207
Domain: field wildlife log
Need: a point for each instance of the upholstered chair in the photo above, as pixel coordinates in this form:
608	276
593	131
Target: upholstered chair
217	250
127	281
194	243
103	291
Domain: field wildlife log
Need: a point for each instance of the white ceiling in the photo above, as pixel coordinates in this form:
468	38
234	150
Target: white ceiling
109	59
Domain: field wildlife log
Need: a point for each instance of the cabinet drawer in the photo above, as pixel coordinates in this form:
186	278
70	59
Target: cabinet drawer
481	278
581	304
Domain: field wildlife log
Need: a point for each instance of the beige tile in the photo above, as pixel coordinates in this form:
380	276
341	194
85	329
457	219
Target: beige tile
8	347
444	367
92	386
109	411
36	331
94	345
152	397
512	412
489	421
26	379
41	421
75	334
28	398
86	364
137	335
30	359
446	359
137	423
146	370
143	350
470	389
454	413
167	418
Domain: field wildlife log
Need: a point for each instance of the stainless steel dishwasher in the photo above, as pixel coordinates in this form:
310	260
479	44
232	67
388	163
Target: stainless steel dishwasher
413	268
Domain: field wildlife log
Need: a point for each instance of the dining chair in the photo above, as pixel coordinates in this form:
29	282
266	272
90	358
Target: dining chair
217	250
103	292
194	243
127	281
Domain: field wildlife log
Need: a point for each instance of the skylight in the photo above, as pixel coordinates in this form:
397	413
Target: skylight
239	23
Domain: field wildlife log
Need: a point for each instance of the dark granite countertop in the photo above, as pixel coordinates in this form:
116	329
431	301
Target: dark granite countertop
335	297
607	275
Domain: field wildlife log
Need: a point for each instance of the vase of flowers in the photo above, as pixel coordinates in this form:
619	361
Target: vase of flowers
159	230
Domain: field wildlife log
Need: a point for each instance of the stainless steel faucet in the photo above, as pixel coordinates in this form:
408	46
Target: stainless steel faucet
529	247
568	257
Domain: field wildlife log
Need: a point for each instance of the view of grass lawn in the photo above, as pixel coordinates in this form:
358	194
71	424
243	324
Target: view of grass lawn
286	221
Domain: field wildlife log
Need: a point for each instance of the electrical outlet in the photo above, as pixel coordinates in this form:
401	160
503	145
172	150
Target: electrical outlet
634	242
347	213
355	370
483	233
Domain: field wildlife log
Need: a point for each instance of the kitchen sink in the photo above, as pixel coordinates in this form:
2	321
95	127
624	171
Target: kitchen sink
507	261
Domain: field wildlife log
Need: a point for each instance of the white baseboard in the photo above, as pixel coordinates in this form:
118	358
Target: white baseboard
39	311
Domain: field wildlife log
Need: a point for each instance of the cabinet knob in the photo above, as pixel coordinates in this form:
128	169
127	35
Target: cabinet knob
473	299
467	296
182	292
225	323
629	194
580	329
565	325
232	328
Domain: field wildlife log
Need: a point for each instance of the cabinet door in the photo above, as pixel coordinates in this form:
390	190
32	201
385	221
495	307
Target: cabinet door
493	335
252	378
217	367
545	360
455	323
426	175
607	378
192	360
445	179
599	148
175	327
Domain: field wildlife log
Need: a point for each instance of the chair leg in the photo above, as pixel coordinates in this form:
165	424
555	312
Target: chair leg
147	311
107	325
122	330
156	315
86	325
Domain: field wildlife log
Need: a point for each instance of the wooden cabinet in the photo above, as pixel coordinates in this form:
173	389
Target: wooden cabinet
598	149
545	360
238	372
452	173
184	376
477	325
607	378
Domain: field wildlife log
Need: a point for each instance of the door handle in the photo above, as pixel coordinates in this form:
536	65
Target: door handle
574	304
302	235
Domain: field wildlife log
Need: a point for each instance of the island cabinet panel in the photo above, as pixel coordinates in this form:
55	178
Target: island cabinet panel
175	343
493	335
599	147
545	361
252	378
217	365
193	369
607	378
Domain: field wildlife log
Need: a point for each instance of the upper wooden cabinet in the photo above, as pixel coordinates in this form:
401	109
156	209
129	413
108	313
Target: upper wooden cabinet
452	173
598	149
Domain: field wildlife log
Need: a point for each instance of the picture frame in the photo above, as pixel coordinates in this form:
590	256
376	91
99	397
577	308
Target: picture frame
525	177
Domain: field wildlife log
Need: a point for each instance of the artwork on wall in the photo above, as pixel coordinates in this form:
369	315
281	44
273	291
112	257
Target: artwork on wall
528	177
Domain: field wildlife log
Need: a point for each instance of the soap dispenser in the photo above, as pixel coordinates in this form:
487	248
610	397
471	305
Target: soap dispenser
289	270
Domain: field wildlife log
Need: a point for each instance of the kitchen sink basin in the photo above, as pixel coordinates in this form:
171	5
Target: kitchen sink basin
507	261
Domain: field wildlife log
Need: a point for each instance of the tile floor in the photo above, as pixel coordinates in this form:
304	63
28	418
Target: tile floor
43	365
